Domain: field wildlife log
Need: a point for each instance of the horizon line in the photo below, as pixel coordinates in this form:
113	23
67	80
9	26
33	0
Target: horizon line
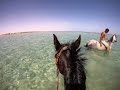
42	31
11	33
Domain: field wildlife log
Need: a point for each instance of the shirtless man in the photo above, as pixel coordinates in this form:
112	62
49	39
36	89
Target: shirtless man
103	37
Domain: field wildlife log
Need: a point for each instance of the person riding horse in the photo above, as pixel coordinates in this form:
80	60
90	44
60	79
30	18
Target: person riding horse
102	44
102	39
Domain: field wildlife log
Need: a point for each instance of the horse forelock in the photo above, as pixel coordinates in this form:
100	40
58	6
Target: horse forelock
74	55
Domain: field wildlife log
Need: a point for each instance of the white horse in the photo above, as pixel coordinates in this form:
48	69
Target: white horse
94	44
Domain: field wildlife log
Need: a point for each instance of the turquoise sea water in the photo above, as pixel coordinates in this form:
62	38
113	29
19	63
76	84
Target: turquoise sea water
26	62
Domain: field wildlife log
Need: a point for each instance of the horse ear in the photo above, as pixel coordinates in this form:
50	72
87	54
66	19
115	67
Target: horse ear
77	42
56	42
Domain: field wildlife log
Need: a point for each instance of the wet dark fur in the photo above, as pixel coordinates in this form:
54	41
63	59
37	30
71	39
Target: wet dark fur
71	65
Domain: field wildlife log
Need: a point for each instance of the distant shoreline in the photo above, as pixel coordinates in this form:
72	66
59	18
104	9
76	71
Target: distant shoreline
45	31
15	33
40	31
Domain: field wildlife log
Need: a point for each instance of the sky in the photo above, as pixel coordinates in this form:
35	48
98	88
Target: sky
59	15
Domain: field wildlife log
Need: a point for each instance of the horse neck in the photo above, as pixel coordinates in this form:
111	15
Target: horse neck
75	77
110	43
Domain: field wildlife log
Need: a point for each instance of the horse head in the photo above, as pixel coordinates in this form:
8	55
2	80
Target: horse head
69	65
113	39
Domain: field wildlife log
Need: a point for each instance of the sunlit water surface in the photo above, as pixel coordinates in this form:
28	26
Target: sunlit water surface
27	62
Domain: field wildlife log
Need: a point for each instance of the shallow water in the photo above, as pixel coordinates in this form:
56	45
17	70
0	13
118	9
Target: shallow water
26	62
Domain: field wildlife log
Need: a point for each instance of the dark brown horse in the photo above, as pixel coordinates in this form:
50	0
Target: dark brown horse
70	64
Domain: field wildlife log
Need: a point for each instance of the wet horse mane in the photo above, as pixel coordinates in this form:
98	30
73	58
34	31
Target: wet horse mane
78	63
71	64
